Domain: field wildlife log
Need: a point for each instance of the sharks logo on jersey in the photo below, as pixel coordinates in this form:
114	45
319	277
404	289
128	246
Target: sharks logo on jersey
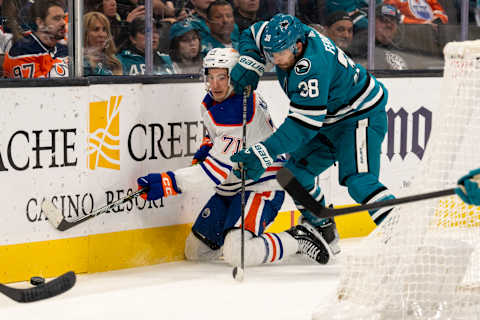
302	66
284	25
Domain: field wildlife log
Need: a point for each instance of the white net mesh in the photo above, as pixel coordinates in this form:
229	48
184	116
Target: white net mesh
422	262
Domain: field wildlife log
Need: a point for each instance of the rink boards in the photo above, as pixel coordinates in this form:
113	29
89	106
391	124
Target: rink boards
84	146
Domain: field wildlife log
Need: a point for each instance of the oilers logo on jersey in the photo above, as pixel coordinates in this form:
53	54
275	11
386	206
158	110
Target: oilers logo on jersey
206	213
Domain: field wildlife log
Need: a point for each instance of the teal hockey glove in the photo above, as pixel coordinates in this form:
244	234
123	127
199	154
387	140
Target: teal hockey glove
247	72
468	187
255	160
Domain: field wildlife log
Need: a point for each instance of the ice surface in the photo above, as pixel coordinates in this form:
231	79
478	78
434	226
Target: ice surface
188	290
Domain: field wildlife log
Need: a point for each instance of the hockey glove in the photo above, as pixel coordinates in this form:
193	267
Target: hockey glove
202	152
255	160
161	185
247	72
468	187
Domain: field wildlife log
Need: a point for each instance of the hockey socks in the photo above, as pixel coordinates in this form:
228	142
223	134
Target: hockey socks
378	215
317	194
278	246
266	248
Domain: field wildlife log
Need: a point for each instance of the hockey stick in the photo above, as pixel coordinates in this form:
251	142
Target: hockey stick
59	222
238	273
288	182
43	291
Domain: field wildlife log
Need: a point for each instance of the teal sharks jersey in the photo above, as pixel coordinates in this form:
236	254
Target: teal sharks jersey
325	86
336	113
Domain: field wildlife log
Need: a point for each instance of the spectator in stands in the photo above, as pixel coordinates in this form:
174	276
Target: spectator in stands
38	54
387	54
5	45
17	16
420	11
99	47
132	56
199	15
161	8
245	13
185	48
223	30
387	19
357	10
340	29
118	24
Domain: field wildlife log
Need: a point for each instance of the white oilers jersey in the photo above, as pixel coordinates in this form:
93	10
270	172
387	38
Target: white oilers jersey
223	122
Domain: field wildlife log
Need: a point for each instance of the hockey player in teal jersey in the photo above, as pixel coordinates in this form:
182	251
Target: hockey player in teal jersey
336	115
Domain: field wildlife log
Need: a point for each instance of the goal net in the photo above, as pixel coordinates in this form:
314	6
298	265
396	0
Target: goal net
423	261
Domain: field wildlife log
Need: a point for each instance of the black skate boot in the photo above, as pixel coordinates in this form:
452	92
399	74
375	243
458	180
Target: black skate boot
328	230
330	234
311	244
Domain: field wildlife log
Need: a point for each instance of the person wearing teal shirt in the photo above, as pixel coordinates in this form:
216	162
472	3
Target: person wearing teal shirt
99	48
357	9
185	48
132	56
199	17
223	31
100	69
336	115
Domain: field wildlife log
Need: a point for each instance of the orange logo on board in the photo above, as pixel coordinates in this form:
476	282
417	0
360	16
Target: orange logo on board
104	134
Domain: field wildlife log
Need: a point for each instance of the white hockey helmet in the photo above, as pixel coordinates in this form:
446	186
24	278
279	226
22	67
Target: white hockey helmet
220	58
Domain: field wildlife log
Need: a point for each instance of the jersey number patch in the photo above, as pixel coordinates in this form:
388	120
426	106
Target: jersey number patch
309	88
24	71
232	144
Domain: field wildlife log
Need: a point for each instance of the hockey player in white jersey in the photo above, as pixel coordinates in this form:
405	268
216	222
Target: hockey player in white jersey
216	230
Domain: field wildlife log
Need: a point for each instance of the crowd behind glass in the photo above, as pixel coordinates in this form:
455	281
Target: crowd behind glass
34	41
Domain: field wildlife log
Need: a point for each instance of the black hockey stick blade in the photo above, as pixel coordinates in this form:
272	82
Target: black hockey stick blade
288	182
60	223
47	290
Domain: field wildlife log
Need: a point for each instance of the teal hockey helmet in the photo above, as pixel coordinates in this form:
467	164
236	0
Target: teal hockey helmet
282	32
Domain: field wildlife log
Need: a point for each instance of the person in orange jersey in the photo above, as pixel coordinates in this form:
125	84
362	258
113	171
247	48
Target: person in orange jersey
420	11
40	54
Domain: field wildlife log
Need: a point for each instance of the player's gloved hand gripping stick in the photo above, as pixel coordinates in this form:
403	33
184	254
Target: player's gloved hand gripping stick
151	187
159	185
247	72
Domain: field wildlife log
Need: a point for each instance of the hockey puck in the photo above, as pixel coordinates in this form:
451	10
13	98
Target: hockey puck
37	281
